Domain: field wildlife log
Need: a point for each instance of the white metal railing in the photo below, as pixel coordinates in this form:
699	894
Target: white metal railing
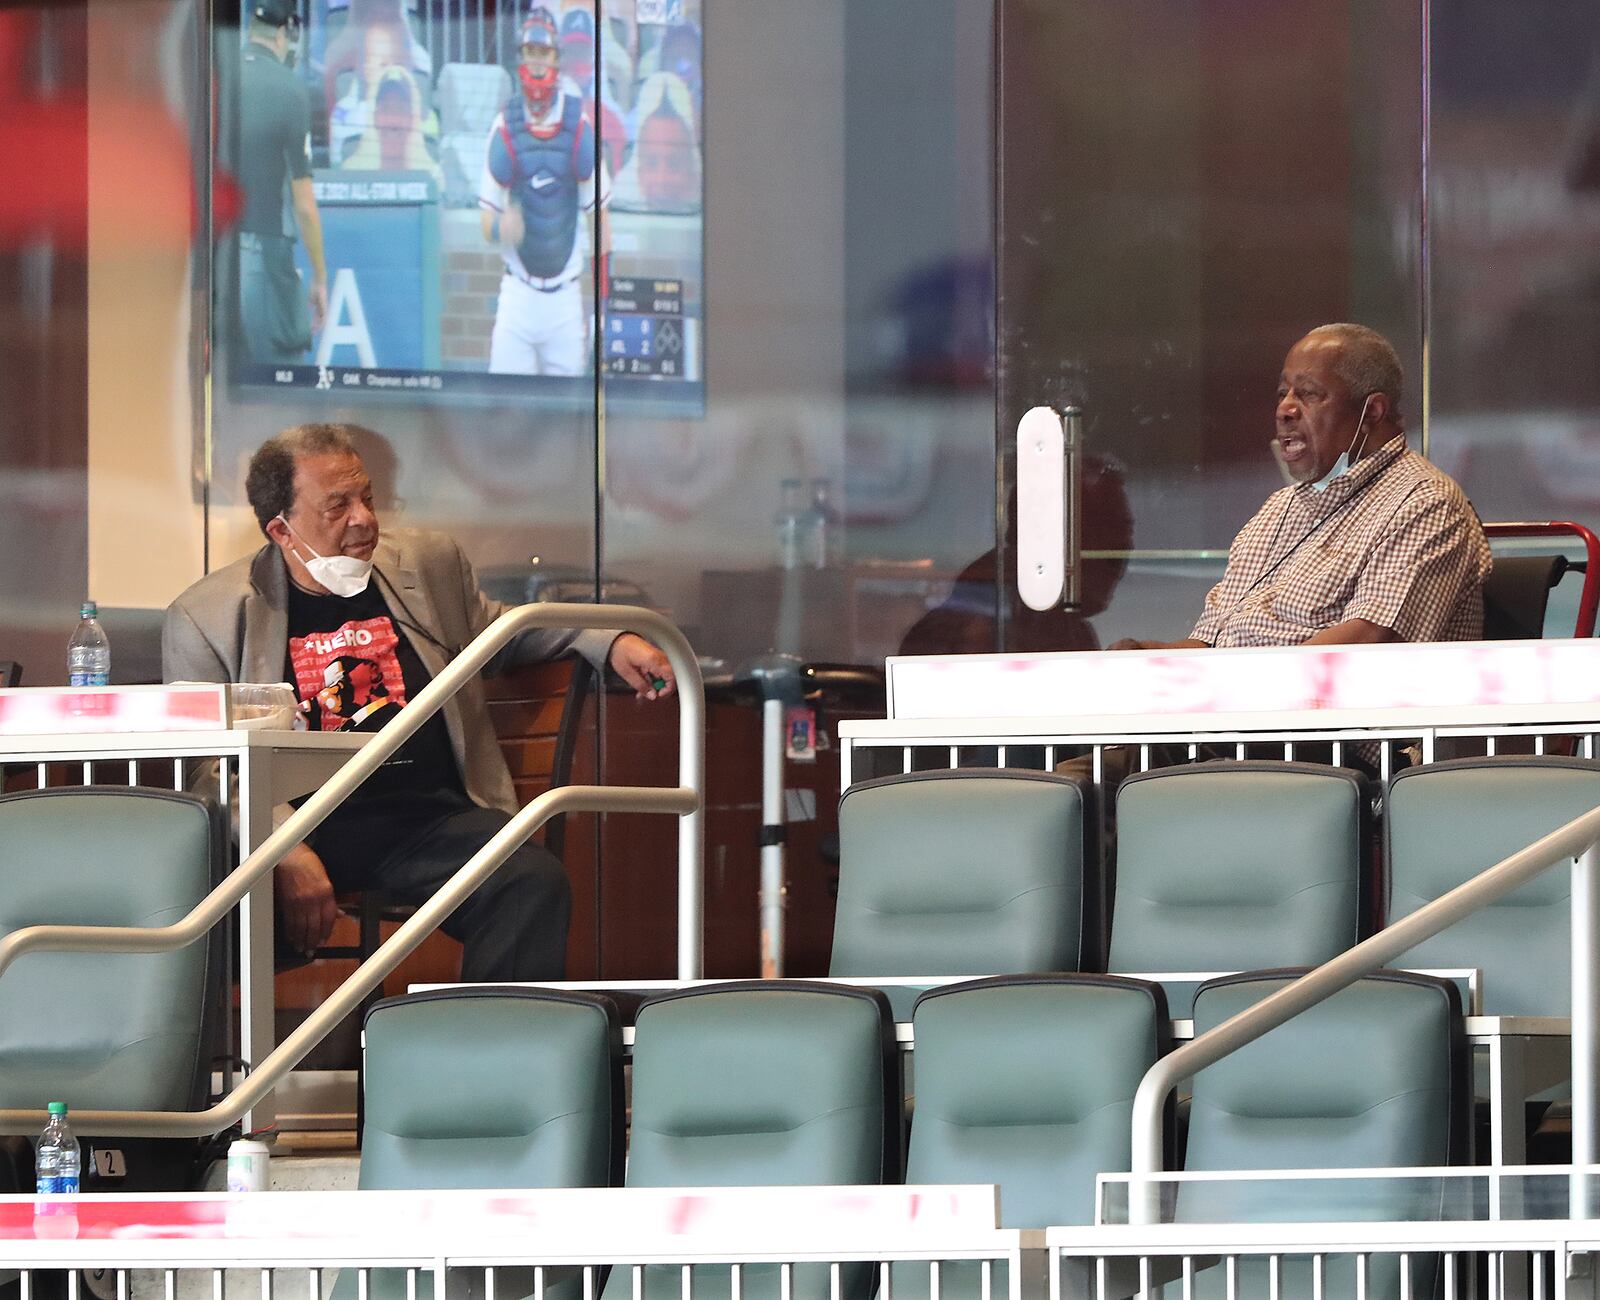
880	748
1306	1260
929	1240
1575	840
1326	1232
155	1244
685	800
1294	702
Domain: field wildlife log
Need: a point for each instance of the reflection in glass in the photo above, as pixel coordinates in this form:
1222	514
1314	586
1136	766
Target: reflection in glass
43	284
840	473
1514	206
457	320
1168	233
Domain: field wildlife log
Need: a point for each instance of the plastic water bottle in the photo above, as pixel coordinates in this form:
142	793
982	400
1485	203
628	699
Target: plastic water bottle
89	651
57	1162
56	1167
820	530
788	524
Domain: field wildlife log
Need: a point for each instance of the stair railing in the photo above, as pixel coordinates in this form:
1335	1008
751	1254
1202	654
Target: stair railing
685	800
1575	840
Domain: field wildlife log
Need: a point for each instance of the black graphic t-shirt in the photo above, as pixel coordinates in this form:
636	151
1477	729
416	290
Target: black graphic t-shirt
354	670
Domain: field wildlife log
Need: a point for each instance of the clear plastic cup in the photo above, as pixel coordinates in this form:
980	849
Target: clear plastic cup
262	706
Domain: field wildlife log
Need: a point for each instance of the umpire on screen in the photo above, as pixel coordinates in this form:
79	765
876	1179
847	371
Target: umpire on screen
279	315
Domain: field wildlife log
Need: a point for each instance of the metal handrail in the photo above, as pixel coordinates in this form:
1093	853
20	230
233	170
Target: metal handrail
1577	840
685	800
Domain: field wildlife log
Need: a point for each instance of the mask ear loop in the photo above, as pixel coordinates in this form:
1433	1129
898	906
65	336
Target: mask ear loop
1361	421
1343	463
299	539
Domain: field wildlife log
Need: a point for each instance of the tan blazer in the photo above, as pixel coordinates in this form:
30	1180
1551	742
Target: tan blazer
233	626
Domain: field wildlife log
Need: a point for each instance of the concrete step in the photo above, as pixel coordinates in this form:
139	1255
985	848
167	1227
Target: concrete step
334	1172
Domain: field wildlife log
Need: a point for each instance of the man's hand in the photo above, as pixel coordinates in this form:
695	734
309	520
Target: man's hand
1354	631
1128	643
317	300
306	910
642	666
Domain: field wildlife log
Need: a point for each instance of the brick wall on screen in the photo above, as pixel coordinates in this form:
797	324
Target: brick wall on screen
471	287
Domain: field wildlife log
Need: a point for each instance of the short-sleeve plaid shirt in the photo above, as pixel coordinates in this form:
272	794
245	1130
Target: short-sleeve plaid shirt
1393	541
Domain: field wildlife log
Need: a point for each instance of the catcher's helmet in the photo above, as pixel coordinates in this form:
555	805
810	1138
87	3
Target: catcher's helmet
540	87
275	13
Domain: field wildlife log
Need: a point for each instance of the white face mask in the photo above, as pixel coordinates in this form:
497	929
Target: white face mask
1343	463
343	575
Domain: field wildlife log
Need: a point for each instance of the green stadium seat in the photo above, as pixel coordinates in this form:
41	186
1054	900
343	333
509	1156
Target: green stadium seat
762	1083
112	1031
1447	822
1073	1048
962	872
1232	866
1374	1077
484	1087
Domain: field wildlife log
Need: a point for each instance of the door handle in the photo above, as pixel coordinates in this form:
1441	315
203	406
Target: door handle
1049	507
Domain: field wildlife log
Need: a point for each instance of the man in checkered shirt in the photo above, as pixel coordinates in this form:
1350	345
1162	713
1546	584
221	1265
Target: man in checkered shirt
1370	543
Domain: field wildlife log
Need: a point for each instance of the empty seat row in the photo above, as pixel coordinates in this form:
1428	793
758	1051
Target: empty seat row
1218	866
1025	1082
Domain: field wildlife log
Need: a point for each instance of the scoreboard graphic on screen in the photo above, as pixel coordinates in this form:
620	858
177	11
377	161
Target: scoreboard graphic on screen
645	330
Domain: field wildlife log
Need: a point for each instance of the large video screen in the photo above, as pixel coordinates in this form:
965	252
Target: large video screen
505	197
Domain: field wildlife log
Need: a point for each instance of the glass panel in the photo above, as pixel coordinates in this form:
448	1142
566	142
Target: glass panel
453	200
1350	1196
43	296
474	371
95	276
820	488
1514	208
1178	206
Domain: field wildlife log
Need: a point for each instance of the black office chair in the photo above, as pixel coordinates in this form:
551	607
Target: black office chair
1516	596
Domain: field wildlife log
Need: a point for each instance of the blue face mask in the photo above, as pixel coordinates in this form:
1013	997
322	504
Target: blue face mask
1343	463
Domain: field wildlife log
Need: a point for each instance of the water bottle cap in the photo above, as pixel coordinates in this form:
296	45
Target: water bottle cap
89	610
58	1108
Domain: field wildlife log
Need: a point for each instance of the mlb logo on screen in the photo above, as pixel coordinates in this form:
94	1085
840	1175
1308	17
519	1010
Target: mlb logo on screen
660	11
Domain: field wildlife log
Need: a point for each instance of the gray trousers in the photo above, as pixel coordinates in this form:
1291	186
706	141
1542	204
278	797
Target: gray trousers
514	927
274	317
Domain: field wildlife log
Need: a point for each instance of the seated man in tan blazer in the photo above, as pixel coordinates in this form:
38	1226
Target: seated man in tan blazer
359	624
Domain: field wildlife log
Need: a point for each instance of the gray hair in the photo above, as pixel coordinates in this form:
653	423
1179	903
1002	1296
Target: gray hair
269	482
1367	363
